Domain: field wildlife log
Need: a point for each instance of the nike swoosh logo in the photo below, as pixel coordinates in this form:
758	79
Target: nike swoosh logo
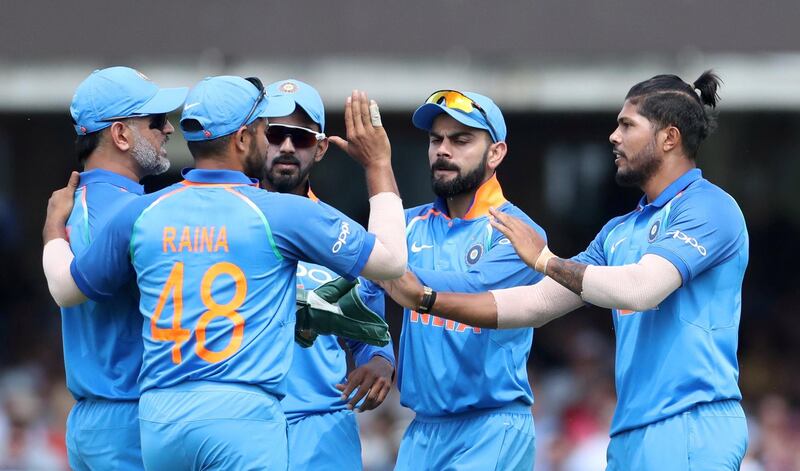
614	247
419	248
191	105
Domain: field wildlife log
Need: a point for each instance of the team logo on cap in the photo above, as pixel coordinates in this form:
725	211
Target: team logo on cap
474	254
651	236
143	76
207	133
288	87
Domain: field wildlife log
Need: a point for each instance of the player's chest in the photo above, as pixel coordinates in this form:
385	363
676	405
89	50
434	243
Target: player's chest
629	241
449	245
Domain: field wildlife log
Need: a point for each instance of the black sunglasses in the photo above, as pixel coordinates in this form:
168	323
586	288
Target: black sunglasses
157	121
301	137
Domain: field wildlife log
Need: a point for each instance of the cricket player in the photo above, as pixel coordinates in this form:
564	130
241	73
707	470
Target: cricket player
671	271
468	385
215	259
323	433
120	117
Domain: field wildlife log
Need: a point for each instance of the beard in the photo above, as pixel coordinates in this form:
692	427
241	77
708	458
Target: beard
285	181
148	157
641	167
254	161
461	183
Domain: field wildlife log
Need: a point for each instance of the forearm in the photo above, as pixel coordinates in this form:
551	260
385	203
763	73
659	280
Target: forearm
56	260
535	305
380	178
637	287
567	273
387	221
54	230
478	310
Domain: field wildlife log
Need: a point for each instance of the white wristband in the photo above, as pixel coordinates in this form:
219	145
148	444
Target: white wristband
544	257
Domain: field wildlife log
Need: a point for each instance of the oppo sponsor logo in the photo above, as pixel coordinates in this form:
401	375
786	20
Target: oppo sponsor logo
343	233
691	241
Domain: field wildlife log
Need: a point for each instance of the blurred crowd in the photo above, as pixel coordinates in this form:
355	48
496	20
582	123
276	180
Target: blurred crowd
574	405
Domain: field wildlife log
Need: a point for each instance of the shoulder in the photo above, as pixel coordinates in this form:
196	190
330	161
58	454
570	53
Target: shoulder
419	211
513	210
707	201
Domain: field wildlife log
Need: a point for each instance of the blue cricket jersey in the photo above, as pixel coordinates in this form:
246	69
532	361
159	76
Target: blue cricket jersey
310	385
102	340
683	352
215	259
446	367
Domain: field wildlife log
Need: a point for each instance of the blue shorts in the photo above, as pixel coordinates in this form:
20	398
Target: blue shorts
103	434
495	439
708	436
325	441
207	425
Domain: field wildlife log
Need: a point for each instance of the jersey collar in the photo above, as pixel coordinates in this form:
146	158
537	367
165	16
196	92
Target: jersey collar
674	188
489	195
311	195
99	175
204	176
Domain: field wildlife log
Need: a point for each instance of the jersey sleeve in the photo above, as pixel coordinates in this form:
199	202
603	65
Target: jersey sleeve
501	267
317	233
105	266
373	297
700	233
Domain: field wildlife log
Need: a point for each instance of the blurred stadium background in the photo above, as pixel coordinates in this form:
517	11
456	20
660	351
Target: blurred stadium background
559	69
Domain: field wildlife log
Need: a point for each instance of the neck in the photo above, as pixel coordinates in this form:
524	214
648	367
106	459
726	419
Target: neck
120	164
458	206
218	162
671	170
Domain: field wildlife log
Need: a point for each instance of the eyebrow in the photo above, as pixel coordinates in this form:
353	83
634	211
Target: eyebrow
454	135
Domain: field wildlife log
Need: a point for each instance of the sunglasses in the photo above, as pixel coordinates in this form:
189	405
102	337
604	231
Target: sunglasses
262	93
157	121
301	137
456	100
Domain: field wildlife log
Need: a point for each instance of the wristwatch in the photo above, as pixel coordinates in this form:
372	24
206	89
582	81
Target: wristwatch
428	298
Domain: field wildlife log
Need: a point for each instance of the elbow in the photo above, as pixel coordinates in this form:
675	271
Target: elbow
393	271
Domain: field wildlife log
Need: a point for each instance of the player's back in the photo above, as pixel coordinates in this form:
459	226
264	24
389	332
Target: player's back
102	340
217	295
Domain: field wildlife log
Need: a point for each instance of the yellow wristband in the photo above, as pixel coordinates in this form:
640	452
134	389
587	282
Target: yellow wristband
544	257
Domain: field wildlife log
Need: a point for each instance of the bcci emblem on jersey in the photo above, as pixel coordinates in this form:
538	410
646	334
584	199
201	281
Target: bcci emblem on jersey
651	236
474	254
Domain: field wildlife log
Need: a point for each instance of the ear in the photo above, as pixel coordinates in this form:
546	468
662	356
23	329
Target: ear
322	147
497	152
672	139
120	136
241	140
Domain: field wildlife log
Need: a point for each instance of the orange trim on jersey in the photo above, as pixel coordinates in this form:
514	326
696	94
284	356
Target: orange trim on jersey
215	185
432	212
311	195
163	197
489	195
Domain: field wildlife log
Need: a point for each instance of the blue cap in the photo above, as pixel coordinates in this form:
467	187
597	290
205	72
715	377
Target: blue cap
116	93
220	105
301	94
425	114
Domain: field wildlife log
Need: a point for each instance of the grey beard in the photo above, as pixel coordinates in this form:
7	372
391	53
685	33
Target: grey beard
147	156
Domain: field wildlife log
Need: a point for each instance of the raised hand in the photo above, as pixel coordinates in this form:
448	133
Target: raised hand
367	142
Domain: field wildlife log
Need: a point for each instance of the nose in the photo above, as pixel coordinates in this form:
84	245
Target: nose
168	128
615	137
287	146
443	149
